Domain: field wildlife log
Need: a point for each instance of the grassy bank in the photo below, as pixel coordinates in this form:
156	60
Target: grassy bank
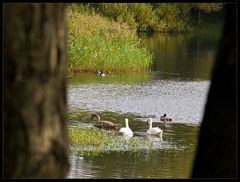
95	43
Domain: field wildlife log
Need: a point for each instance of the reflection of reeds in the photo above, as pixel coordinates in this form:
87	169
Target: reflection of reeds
94	43
213	29
123	78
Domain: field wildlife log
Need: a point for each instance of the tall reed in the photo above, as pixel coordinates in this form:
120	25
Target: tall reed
96	43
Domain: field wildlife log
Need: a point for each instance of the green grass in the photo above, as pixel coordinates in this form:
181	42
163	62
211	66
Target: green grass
95	43
88	136
94	142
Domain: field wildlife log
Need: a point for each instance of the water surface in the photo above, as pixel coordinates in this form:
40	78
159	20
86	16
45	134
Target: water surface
180	99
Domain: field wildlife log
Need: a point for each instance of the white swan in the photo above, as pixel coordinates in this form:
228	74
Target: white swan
126	130
154	130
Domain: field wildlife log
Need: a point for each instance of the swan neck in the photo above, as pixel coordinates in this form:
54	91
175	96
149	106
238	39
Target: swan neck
150	124
98	117
126	123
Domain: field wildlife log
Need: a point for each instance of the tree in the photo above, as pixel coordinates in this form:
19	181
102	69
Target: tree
183	11
143	15
217	151
207	8
35	125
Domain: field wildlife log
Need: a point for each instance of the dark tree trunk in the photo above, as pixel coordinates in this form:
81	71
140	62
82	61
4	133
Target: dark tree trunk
216	153
199	16
35	123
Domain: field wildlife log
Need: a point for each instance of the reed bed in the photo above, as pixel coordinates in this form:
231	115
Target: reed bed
96	43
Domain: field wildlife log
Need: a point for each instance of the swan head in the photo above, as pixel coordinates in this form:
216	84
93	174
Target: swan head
149	121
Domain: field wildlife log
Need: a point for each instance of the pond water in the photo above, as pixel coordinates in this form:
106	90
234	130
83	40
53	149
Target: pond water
177	85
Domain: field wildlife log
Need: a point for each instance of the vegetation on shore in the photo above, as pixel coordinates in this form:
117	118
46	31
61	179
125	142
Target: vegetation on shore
103	36
157	17
95	43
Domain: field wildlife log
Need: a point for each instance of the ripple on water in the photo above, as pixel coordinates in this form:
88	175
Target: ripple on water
182	100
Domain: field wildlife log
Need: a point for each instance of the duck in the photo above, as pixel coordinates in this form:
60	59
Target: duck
165	118
126	130
100	73
103	123
154	130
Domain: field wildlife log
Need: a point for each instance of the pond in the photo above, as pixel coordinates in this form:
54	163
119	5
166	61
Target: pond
177	85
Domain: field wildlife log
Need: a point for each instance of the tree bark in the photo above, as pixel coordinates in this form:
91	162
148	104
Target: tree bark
35	123
199	16
216	152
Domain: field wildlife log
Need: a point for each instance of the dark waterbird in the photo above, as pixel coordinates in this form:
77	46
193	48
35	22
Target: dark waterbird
103	123
100	73
165	118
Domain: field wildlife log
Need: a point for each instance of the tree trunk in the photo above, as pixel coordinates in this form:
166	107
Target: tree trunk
216	153
199	16
35	123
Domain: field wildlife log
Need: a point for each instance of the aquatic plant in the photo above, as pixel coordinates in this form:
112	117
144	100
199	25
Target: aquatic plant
92	142
88	136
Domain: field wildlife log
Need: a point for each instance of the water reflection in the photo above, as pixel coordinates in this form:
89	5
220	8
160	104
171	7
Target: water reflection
142	164
186	55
